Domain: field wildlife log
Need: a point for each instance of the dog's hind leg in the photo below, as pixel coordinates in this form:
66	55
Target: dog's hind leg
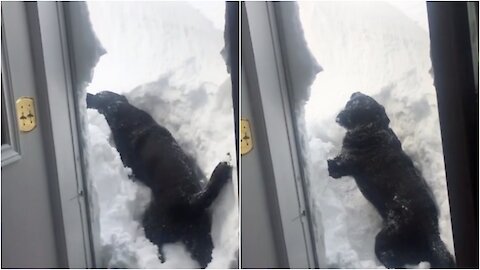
156	231
200	247
439	256
219	177
396	248
387	248
155	236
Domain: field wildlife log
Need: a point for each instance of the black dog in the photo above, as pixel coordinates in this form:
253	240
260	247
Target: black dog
386	176
178	211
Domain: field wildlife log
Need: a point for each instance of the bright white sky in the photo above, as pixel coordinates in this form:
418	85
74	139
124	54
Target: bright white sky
415	10
129	32
212	10
330	77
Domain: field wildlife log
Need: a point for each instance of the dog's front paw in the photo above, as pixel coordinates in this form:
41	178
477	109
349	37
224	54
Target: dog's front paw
333	169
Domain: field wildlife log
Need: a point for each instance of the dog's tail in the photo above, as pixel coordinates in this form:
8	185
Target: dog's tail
440	257
219	177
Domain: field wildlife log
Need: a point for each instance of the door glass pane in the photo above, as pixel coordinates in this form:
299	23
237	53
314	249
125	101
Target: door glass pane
382	50
165	59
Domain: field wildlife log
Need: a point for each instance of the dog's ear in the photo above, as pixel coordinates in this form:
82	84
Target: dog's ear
356	94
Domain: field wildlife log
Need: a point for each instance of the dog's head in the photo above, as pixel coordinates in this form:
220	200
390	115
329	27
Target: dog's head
105	100
362	110
109	104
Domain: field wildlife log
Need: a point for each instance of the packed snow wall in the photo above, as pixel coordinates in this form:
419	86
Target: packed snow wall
381	50
165	58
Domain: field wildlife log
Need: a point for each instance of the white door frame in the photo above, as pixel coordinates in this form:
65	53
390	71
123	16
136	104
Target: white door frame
273	99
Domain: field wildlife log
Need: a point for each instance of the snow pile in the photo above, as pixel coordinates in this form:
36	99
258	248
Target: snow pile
378	50
145	41
165	58
303	67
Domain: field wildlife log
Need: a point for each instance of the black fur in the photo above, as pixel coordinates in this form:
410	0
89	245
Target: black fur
178	211
386	176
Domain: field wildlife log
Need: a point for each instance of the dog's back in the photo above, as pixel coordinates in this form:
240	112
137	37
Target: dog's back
178	211
148	148
384	172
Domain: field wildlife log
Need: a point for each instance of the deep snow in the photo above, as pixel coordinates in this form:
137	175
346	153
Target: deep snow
165	58
375	48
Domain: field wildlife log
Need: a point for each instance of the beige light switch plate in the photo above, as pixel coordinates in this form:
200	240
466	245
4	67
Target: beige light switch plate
246	140
26	116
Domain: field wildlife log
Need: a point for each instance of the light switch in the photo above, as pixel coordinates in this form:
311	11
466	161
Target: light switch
26	116
246	140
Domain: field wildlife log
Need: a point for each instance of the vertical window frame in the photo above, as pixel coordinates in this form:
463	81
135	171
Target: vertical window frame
10	150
